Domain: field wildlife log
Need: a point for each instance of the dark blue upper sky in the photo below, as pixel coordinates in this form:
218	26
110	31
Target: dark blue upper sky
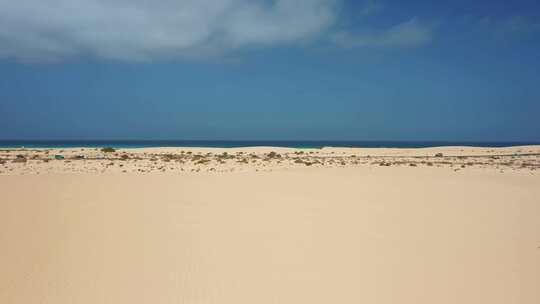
307	69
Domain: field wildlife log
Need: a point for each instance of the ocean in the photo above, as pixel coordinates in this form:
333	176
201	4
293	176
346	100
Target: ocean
246	143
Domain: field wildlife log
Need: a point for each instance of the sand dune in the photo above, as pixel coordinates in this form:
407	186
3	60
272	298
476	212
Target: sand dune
300	234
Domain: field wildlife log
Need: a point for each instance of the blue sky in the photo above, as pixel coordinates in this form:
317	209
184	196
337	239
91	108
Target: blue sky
236	69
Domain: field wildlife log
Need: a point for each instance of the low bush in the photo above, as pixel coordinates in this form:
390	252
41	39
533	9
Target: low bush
273	155
197	157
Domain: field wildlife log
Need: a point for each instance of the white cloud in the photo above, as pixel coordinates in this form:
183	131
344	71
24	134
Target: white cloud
404	35
147	30
139	30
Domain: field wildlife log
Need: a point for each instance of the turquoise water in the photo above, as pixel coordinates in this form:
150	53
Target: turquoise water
245	143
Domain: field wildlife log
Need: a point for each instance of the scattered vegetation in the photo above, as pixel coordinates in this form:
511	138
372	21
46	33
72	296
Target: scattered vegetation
305	162
223	156
156	161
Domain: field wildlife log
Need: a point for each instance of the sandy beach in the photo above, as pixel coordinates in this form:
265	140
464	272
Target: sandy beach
269	152
270	225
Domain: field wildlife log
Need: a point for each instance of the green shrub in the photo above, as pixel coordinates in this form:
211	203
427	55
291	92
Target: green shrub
197	157
108	150
272	155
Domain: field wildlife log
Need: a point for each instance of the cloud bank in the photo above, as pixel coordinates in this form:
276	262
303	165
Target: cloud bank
146	30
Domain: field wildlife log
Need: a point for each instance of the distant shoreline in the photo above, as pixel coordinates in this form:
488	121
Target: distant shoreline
298	144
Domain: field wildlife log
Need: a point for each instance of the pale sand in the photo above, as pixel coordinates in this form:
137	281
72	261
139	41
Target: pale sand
298	234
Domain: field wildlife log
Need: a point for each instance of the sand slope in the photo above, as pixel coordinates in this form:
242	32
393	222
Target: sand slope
315	235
